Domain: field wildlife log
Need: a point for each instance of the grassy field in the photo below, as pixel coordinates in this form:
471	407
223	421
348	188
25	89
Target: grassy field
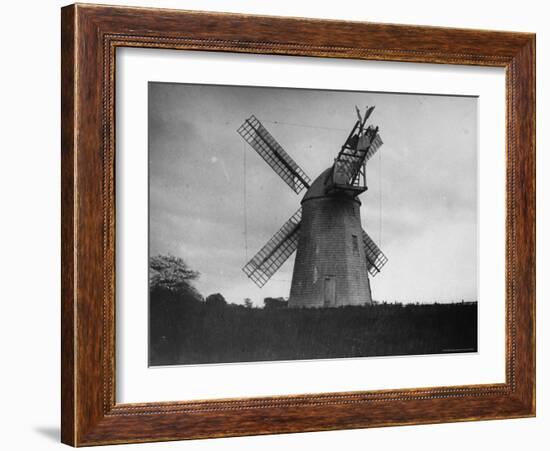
199	332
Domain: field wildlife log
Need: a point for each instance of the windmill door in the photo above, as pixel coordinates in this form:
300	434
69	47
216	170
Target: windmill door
330	291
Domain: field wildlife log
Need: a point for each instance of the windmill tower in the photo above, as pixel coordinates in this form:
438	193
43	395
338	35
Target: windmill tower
334	254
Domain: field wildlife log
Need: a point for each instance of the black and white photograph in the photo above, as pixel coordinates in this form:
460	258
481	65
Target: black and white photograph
239	225
297	224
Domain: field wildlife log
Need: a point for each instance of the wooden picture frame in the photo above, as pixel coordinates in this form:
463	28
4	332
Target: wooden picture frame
90	412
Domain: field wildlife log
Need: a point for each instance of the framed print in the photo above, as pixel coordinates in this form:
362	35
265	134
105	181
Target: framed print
280	225
321	258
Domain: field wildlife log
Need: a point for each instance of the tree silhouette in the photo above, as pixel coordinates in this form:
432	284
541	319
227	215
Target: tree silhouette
169	273
273	303
216	300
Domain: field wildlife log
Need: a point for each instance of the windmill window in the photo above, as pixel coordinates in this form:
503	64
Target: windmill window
355	244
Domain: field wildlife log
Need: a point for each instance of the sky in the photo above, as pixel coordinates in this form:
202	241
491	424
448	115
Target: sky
214	202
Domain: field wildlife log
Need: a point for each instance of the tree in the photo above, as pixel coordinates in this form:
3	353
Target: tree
275	303
247	302
169	273
172	301
216	300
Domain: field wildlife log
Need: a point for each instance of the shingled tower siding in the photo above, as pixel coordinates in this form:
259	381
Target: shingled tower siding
330	268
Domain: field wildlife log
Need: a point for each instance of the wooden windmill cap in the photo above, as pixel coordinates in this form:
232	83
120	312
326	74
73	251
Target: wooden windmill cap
321	186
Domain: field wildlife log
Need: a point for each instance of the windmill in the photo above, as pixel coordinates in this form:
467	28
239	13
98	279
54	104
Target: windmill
334	254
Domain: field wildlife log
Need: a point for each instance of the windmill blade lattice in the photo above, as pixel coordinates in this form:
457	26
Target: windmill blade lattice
375	257
255	134
375	145
354	154
275	252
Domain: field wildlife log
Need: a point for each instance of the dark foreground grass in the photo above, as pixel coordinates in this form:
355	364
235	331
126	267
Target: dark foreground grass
199	333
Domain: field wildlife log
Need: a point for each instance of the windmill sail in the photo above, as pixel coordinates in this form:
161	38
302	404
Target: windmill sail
375	257
255	134
374	146
356	151
275	252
